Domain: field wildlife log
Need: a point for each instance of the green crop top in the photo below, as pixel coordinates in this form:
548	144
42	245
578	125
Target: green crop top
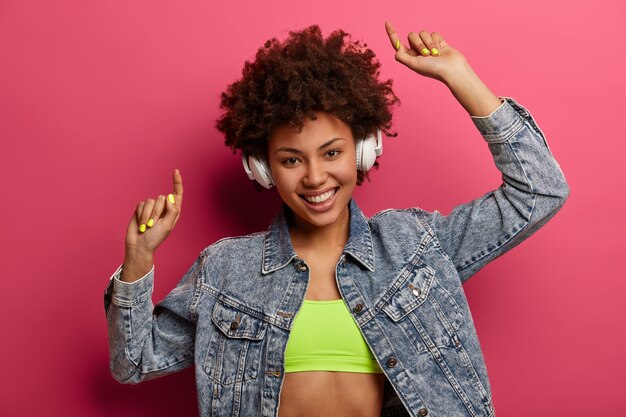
324	337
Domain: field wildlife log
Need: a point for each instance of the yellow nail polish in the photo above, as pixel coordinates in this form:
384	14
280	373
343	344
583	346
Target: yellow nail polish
142	228
397	44
435	51
171	198
425	51
150	223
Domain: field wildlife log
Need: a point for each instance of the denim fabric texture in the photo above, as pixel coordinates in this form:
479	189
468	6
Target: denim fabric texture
401	276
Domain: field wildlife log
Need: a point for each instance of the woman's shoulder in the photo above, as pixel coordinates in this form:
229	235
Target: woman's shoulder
229	259
400	221
392	214
236	245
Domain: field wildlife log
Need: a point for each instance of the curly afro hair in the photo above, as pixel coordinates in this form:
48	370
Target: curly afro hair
306	73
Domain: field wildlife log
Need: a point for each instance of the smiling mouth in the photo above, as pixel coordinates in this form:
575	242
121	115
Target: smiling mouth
320	199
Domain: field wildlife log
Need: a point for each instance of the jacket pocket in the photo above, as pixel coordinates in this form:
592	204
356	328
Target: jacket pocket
424	308
235	350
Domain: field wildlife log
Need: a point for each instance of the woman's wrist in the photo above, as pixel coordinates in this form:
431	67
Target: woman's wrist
136	265
469	90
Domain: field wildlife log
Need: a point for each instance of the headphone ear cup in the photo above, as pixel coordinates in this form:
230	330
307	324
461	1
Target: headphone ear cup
258	169
367	150
359	152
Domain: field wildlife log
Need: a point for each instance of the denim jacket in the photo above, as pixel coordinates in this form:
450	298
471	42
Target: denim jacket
400	275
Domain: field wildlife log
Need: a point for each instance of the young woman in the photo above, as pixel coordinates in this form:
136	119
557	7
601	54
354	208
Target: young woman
329	313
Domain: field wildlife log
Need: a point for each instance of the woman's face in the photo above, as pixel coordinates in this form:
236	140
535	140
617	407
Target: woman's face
314	171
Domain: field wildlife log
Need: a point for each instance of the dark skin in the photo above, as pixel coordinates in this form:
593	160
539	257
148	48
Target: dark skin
346	393
448	66
319	238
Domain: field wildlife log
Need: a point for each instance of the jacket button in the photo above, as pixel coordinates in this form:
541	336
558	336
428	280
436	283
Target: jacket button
391	362
301	266
416	291
357	308
234	325
422	412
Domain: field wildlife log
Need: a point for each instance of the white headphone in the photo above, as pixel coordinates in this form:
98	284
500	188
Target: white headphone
367	150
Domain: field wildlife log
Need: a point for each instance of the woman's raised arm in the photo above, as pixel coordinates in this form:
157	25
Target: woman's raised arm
533	186
148	341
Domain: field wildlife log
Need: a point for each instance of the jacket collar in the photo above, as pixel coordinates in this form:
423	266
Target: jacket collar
278	250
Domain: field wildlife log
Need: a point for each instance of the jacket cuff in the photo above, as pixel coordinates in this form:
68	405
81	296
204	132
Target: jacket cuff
502	123
129	294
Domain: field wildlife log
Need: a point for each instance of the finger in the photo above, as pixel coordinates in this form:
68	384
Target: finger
158	209
145	215
138	212
428	41
178	187
172	211
417	44
394	38
438	40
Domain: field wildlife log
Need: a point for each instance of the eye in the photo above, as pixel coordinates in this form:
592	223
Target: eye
333	152
290	161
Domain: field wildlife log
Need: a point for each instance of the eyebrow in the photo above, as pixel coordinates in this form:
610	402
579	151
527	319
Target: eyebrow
293	150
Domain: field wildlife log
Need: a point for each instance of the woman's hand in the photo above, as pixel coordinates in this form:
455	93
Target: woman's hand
428	54
149	226
153	220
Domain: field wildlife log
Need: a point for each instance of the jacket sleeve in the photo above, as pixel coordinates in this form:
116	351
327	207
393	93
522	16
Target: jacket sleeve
146	342
533	190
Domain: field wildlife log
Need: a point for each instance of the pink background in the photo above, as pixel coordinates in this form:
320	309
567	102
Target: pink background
100	101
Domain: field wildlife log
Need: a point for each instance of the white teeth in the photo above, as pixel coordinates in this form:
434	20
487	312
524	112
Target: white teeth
321	198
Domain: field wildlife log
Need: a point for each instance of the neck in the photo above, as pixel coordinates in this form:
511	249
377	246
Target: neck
306	235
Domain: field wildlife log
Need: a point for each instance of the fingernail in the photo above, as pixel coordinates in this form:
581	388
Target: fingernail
171	198
397	44
425	51
150	222
435	51
142	228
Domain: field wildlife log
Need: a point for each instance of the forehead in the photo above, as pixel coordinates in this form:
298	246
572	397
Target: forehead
313	134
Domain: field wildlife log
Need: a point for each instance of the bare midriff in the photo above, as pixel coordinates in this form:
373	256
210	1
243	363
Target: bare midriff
336	394
329	393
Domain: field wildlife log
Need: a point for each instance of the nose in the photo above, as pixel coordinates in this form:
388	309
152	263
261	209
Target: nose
315	175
